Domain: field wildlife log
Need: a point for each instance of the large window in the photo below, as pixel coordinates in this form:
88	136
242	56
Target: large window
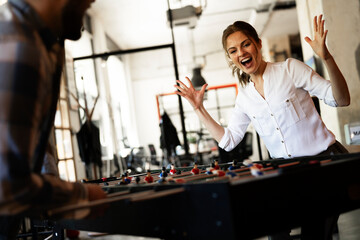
63	137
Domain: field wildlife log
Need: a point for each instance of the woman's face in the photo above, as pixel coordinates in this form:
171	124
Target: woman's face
244	52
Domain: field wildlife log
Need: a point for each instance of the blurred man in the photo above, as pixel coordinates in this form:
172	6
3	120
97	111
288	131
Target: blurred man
32	34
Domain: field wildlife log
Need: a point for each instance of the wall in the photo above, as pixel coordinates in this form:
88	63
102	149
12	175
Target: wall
343	22
276	49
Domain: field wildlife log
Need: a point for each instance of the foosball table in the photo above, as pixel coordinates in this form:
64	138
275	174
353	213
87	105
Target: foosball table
218	206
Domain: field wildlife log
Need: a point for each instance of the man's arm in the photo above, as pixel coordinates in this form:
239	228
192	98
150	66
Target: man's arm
22	107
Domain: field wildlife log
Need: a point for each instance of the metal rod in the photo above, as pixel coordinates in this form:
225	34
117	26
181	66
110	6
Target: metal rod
182	117
121	52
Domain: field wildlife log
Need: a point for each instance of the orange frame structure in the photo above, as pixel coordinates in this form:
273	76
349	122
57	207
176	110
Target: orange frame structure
209	88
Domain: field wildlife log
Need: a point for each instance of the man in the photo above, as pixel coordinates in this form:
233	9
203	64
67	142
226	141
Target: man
32	34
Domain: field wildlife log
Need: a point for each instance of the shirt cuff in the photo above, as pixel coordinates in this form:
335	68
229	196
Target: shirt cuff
224	140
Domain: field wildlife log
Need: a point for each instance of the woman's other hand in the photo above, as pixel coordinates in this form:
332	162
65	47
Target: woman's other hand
194	97
318	44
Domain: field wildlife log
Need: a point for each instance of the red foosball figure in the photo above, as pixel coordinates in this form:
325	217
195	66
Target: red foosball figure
219	172
195	169
255	168
173	170
148	178
216	165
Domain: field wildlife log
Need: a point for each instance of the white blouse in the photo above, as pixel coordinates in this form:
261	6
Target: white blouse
286	120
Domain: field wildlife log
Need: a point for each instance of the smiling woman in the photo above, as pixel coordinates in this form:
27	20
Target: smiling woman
241	40
276	98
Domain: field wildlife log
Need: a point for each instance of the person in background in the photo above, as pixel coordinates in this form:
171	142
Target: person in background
32	35
276	99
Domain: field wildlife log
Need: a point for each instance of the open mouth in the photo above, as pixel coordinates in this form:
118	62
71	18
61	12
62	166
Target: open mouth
246	62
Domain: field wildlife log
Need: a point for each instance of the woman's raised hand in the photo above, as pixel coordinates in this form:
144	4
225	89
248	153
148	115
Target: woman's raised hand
194	97
318	44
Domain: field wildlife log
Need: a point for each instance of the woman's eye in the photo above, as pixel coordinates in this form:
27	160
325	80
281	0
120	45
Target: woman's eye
233	51
247	44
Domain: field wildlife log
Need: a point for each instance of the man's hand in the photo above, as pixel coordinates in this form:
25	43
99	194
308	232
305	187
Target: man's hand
95	192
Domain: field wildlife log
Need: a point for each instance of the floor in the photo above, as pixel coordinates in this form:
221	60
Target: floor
349	229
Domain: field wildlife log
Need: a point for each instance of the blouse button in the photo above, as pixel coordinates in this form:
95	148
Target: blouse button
253	116
272	115
289	155
282	141
277	128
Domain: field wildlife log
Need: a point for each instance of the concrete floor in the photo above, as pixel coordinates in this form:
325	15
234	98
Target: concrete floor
349	229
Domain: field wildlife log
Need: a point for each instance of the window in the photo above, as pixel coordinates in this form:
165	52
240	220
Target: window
63	137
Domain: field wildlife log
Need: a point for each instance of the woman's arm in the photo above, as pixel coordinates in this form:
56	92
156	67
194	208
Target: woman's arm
196	98
338	84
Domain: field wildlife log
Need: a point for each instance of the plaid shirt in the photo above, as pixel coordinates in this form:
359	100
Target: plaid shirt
31	61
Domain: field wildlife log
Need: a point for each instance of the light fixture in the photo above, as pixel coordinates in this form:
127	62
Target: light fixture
197	79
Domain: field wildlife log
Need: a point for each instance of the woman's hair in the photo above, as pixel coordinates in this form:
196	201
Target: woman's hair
249	31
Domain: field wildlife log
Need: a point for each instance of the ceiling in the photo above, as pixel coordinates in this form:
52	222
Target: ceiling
143	23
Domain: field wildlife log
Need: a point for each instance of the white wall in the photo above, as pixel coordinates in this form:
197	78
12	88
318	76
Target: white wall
343	22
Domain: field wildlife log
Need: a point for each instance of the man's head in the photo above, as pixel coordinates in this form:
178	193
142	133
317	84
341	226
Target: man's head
72	18
63	17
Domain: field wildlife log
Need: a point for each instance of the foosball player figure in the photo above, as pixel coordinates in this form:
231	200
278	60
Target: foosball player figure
162	180
137	179
255	168
230	173
173	170
163	172
123	180
127	178
210	169
163	175
219	172
148	178
233	165
195	169
216	164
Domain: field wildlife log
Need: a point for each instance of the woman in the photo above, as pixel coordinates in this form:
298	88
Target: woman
276	97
